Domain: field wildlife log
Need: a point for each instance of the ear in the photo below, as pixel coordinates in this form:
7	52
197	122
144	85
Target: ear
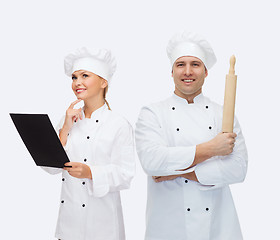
206	72
104	83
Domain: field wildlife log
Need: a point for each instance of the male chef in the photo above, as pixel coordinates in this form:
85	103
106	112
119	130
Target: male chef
190	163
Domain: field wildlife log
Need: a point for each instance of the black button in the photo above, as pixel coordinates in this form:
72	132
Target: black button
186	181
87	137
207	209
62	201
173	108
83	183
68	134
75	120
178	129
63	179
210	127
96	121
206	106
188	209
83	205
85	160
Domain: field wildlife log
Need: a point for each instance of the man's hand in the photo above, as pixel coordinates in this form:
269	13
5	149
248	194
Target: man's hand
165	178
190	176
222	144
78	170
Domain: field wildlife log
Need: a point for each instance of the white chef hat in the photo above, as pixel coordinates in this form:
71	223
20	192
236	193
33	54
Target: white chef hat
190	44
98	61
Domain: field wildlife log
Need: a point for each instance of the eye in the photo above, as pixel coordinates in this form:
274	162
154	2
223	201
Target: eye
196	64
180	65
74	77
85	75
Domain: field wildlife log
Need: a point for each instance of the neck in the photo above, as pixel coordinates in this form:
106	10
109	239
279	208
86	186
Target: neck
188	97
92	105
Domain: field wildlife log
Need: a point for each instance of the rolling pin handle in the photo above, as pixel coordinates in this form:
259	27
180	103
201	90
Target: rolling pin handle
232	65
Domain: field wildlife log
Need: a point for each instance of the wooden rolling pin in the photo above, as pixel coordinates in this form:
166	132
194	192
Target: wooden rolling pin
229	99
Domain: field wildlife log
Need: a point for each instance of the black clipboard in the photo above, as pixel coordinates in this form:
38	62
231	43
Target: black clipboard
40	138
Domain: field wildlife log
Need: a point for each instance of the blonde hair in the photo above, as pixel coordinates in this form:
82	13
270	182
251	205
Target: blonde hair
104	96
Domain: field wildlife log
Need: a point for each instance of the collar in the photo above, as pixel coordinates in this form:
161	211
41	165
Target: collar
95	114
199	99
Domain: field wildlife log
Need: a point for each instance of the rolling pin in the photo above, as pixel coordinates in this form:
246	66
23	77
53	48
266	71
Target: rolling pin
229	99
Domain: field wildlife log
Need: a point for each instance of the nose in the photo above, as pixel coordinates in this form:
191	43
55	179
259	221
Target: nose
188	70
78	81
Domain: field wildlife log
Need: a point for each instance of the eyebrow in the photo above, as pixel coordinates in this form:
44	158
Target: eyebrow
185	62
80	73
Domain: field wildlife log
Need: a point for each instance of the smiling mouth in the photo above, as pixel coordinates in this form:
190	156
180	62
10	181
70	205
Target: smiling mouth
188	80
80	90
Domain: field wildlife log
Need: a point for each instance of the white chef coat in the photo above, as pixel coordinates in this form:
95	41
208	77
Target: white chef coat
167	133
91	209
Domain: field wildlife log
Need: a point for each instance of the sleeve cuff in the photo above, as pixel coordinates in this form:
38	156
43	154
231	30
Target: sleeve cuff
99	185
208	174
183	158
52	170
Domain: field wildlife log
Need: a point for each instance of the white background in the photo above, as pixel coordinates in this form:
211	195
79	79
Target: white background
35	37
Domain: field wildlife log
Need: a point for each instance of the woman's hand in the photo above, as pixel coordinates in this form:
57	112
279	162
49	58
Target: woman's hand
71	116
78	170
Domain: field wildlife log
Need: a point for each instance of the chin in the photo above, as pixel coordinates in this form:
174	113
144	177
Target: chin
80	97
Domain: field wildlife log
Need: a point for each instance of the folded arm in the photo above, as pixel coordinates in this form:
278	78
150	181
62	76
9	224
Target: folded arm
222	160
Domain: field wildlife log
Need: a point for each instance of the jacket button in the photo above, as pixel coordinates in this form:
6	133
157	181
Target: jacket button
62	201
206	107
173	108
186	181
87	137
83	183
83	205
85	160
96	121
210	127
177	129
188	209
207	209
63	179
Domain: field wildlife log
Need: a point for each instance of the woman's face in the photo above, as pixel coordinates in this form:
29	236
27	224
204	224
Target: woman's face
87	85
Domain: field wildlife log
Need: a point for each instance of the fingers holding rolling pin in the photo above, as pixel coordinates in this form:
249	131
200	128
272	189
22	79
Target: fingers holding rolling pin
223	144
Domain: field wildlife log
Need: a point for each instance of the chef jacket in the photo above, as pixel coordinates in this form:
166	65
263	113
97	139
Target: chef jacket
167	133
90	209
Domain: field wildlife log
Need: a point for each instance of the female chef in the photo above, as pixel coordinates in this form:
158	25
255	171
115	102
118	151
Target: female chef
100	146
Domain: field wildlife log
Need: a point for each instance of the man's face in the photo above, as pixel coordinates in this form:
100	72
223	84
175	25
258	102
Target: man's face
189	74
